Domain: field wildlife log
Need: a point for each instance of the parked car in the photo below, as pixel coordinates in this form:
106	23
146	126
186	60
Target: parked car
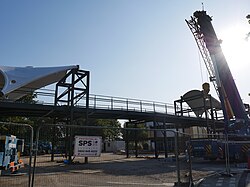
44	147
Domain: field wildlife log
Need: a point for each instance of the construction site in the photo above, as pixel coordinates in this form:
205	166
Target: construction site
73	138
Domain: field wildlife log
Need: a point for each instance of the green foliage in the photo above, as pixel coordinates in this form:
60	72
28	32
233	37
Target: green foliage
109	134
30	98
55	133
109	131
248	17
11	129
132	135
248	34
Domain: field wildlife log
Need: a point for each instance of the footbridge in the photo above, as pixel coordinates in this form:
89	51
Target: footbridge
106	107
70	99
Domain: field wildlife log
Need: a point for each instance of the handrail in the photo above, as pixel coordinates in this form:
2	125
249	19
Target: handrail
46	97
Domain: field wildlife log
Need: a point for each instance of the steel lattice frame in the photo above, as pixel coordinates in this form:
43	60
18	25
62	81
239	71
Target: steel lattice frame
193	26
73	87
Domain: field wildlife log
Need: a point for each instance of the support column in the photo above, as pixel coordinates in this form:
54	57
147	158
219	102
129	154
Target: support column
136	141
74	86
127	139
165	139
155	140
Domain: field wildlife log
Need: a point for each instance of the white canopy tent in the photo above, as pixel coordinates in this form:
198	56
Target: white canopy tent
16	82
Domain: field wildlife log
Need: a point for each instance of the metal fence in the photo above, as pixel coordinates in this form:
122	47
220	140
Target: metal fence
137	157
23	132
220	154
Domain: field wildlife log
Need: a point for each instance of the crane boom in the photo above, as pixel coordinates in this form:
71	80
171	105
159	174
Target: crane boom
235	115
192	24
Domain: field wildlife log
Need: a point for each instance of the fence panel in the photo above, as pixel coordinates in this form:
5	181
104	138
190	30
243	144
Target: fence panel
135	159
15	154
218	154
184	159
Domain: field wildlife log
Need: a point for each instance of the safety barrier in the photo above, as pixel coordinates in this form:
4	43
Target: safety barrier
116	103
132	155
16	156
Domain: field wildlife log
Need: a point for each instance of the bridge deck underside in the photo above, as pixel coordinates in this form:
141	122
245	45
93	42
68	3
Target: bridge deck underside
40	110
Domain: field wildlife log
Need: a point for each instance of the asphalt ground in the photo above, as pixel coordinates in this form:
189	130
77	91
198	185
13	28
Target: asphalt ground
117	170
236	178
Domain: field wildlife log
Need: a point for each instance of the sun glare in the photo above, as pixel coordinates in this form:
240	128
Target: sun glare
236	47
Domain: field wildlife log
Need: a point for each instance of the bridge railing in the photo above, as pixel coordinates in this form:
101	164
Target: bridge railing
125	104
115	103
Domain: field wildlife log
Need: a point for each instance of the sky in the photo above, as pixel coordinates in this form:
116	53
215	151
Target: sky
139	49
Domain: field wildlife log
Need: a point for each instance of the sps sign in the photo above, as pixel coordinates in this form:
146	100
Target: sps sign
87	146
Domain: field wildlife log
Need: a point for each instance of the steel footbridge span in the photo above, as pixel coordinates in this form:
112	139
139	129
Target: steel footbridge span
71	99
106	107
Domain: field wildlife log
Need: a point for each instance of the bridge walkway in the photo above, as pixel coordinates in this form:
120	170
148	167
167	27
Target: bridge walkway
105	107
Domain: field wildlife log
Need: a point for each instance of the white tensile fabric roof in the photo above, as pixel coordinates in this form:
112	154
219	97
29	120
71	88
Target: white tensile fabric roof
15	82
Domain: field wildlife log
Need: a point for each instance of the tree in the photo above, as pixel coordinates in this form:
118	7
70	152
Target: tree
133	135
105	132
11	129
57	133
109	134
248	17
135	138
